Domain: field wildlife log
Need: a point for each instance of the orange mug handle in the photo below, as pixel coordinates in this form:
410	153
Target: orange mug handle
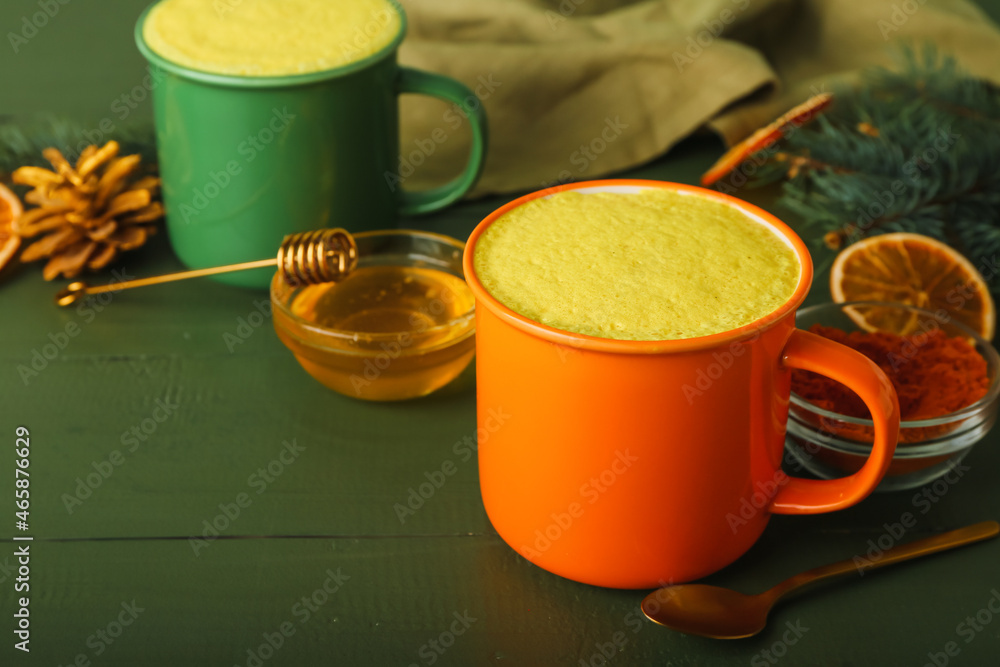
810	352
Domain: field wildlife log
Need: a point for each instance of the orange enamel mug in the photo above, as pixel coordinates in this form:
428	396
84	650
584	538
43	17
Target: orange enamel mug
632	464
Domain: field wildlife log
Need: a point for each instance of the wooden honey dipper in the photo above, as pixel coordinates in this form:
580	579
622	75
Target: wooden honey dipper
307	258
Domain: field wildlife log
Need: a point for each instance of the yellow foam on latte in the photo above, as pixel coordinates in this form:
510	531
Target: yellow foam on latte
655	265
269	37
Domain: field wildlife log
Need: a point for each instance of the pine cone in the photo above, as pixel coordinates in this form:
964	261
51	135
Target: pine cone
89	212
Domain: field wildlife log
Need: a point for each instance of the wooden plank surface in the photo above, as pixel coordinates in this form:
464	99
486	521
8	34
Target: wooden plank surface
397	594
146	425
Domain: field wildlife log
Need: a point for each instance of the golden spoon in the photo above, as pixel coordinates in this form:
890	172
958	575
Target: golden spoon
721	613
307	258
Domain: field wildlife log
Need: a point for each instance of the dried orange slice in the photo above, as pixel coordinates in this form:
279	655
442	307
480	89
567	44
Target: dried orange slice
766	136
10	209
915	270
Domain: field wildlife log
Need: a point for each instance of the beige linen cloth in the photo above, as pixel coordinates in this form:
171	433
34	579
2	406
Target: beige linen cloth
578	89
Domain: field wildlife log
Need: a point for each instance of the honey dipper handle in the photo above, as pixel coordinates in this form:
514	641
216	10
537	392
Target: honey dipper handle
75	291
306	258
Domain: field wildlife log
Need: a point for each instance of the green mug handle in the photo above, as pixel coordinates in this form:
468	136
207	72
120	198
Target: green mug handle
415	81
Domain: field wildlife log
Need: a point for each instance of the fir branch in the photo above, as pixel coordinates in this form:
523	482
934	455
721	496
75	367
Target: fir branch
938	81
914	149
22	140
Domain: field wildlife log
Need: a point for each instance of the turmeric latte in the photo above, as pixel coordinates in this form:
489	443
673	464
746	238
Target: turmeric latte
270	37
654	265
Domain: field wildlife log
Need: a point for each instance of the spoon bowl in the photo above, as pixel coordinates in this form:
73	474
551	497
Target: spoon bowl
709	611
721	613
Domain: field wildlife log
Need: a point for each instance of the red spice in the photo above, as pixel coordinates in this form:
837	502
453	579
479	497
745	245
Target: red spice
932	373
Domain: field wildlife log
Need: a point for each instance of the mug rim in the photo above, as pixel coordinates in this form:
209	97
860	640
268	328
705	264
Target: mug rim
584	341
248	81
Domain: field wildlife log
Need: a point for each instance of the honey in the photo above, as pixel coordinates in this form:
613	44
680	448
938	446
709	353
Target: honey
385	332
387	300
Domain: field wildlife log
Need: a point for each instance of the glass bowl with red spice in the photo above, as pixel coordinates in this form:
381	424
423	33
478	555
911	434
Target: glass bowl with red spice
946	376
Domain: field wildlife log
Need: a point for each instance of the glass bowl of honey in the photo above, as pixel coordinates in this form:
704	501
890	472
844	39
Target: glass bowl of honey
398	326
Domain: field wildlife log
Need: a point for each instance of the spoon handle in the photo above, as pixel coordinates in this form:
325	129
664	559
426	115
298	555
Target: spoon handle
861	564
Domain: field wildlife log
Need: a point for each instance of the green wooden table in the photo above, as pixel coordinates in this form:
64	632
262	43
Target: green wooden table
201	501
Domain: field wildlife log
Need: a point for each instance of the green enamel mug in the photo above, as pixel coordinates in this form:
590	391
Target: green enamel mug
246	160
